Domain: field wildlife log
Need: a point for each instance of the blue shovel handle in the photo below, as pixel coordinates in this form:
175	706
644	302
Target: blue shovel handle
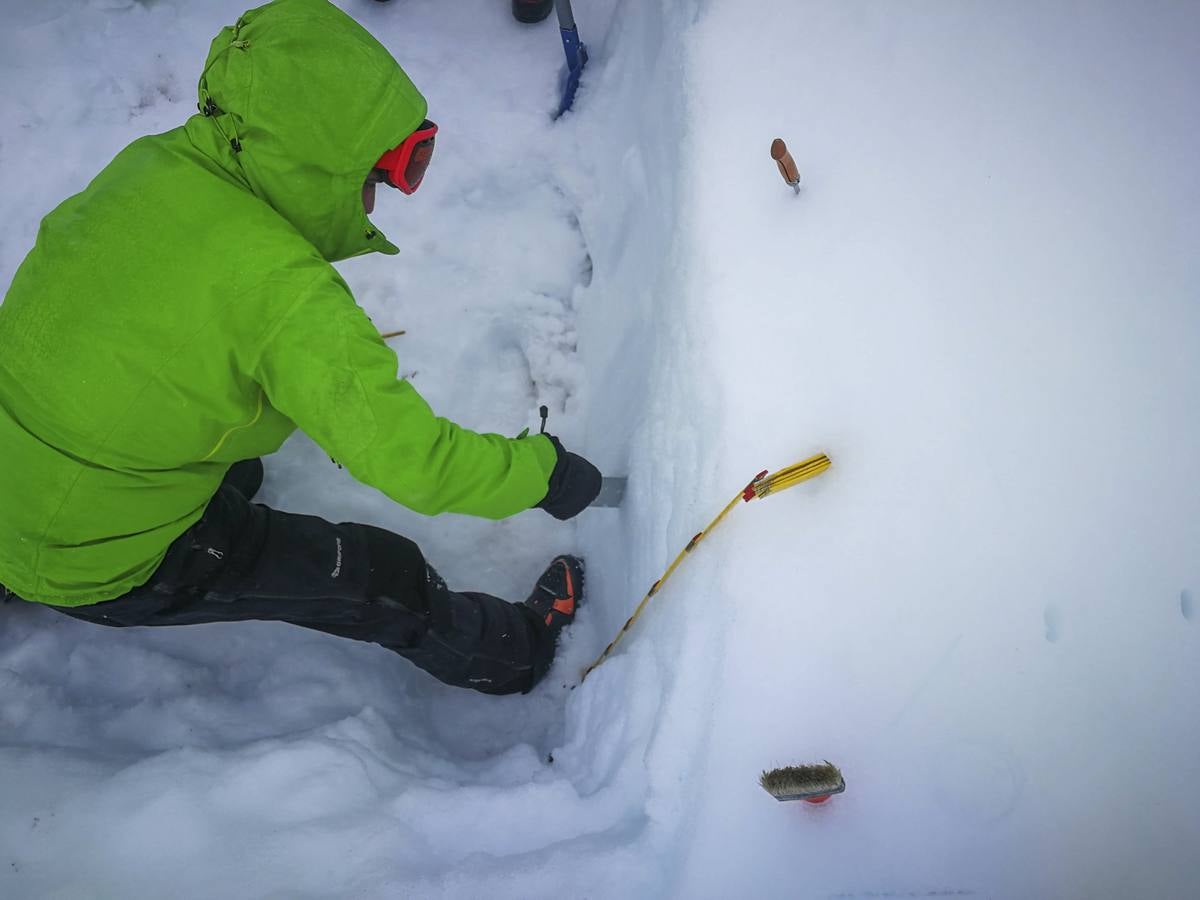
575	50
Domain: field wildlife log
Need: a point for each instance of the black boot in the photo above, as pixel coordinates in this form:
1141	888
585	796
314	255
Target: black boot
530	11
558	593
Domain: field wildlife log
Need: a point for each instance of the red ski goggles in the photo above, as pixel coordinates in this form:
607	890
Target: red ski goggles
404	166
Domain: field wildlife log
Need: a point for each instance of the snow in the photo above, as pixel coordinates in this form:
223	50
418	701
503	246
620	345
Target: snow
982	306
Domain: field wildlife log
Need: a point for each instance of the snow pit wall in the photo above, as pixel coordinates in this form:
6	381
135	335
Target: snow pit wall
635	323
651	412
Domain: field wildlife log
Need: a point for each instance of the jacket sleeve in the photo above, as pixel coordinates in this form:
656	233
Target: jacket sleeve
326	368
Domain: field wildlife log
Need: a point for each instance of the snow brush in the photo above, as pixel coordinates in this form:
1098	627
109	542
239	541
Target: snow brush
814	784
762	485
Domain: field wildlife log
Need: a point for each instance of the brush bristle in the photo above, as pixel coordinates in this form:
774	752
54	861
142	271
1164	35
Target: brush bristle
798	782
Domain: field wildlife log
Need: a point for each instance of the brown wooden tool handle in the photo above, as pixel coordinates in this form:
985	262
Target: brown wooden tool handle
783	159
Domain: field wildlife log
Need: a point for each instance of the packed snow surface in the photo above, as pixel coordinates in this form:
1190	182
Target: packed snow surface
984	305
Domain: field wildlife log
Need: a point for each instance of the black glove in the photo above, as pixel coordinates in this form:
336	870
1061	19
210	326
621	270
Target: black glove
574	484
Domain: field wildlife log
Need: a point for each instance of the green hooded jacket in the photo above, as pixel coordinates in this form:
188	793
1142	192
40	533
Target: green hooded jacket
181	314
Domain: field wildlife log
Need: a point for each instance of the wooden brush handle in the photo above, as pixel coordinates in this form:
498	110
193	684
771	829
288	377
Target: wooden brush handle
783	159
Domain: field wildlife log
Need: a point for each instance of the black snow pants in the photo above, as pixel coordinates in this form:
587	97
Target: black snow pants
243	561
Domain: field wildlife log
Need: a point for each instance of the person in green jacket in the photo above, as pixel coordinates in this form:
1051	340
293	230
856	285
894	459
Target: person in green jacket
180	317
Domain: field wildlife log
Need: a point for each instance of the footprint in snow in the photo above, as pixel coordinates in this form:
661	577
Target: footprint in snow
1053	622
1187	605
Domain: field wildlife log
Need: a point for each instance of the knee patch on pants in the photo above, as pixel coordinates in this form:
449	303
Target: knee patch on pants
397	571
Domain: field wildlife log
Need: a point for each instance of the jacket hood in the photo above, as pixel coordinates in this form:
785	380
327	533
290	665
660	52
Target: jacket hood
299	102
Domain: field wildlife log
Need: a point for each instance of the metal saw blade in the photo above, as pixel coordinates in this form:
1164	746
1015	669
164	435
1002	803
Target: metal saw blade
612	492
